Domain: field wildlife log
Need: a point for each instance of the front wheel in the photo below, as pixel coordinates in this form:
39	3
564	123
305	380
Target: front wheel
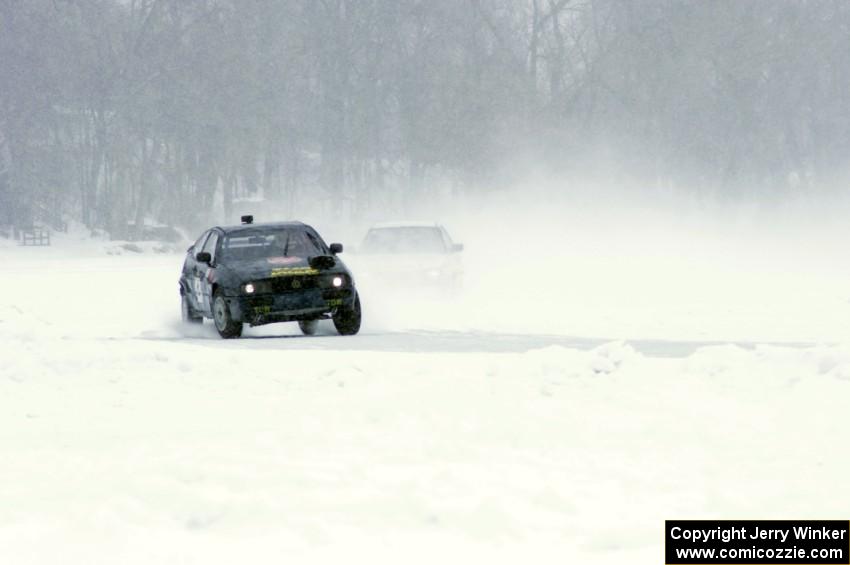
347	319
225	325
308	327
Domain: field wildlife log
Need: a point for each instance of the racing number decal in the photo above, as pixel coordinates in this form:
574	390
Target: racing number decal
199	291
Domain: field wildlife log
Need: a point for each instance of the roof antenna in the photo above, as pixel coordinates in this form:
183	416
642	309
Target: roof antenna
247	219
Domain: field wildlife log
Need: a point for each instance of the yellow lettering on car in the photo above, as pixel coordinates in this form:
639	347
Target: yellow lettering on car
293	271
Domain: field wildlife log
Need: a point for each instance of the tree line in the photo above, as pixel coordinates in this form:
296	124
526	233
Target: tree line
113	111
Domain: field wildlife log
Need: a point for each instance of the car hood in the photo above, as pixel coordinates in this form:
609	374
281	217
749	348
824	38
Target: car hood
275	267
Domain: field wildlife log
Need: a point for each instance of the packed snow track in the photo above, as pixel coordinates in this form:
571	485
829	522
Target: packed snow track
127	438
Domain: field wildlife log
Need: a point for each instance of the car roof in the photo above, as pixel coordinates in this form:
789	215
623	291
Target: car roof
385	225
261	225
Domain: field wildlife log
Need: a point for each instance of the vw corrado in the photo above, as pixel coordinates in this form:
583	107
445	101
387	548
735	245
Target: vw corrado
264	273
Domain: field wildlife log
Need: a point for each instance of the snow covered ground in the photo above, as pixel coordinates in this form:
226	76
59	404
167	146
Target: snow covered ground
567	425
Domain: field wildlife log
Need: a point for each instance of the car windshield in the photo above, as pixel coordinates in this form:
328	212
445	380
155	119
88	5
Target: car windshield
404	240
251	245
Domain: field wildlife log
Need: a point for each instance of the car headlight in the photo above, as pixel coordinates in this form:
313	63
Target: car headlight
257	287
334	281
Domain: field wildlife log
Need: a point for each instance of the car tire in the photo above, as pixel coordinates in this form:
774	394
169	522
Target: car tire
347	319
187	313
225	325
308	327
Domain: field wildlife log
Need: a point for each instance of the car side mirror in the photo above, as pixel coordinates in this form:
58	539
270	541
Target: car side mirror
457	248
203	257
336	248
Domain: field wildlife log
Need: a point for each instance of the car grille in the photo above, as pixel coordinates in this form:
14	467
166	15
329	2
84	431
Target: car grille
295	283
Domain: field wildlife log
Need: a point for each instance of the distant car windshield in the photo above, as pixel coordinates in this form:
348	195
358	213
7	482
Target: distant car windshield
250	245
412	239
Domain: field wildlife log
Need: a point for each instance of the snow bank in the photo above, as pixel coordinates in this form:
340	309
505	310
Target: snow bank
140	451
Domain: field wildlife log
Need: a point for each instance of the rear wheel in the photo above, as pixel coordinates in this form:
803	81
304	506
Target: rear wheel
347	318
188	313
225	325
308	327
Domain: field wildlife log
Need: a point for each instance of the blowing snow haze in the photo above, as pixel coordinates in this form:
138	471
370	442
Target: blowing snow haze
177	112
600	247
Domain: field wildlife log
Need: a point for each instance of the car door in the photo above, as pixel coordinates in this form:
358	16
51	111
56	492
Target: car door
190	272
204	274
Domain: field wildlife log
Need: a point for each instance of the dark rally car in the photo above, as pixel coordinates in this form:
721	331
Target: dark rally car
264	273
